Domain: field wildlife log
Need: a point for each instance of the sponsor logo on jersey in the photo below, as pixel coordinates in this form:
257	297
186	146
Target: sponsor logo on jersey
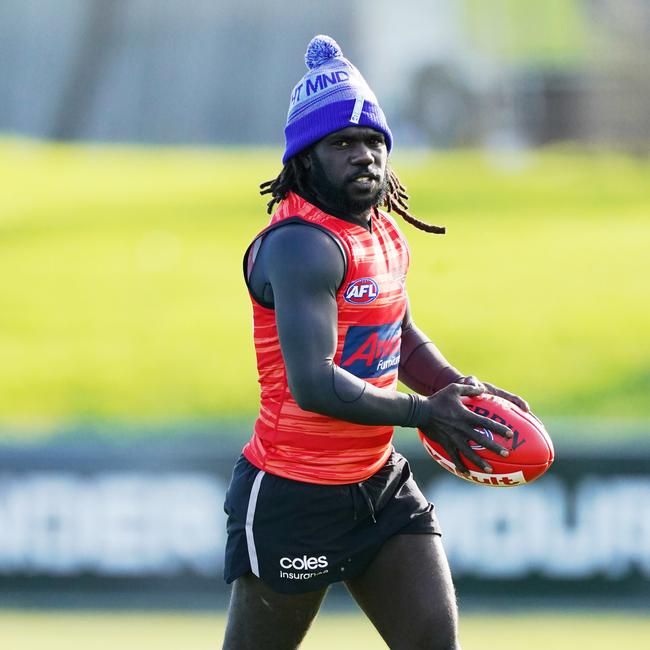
361	291
372	350
303	568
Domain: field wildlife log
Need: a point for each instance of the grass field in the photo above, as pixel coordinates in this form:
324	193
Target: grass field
531	631
121	296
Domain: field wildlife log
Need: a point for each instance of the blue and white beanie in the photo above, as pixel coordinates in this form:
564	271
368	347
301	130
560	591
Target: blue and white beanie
331	96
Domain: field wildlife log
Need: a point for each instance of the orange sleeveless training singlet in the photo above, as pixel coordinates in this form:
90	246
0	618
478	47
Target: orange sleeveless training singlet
305	446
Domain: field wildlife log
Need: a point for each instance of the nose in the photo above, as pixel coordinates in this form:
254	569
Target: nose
362	155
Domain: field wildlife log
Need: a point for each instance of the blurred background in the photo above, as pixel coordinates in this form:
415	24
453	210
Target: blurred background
133	138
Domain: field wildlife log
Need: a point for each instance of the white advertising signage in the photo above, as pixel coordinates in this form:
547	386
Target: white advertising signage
112	523
157	514
599	527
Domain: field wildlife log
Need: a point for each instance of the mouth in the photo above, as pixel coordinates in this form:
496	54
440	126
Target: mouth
364	180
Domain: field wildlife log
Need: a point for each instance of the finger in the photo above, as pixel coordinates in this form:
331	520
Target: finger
471	455
488	443
471	380
466	390
518	401
511	397
478	421
452	451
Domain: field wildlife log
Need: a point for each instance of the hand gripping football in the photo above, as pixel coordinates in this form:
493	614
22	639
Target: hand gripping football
531	449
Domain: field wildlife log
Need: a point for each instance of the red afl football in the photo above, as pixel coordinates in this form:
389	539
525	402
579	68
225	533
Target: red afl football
531	449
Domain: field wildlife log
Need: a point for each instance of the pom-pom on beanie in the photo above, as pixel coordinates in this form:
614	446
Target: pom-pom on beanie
331	96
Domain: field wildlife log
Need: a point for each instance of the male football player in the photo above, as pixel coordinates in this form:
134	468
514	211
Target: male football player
319	495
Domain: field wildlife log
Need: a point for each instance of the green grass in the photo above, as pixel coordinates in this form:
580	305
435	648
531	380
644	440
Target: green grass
121	295
532	631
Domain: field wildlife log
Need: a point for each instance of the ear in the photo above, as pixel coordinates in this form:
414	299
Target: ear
305	159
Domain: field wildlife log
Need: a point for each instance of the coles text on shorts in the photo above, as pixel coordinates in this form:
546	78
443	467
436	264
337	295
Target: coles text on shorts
307	566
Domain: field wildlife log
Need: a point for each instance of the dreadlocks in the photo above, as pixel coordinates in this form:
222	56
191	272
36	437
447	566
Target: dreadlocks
293	178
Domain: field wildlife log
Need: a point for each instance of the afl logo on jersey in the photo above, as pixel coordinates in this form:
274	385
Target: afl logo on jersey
361	291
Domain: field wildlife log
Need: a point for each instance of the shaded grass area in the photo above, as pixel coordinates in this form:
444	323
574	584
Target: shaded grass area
169	631
121	295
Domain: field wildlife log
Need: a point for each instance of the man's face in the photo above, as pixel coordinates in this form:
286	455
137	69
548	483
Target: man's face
347	170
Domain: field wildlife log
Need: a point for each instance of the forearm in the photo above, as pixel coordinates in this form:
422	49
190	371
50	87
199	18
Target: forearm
332	391
423	367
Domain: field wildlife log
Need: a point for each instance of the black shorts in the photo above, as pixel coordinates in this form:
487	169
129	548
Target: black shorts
301	537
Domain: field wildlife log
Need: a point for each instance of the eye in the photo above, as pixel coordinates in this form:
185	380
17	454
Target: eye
341	143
